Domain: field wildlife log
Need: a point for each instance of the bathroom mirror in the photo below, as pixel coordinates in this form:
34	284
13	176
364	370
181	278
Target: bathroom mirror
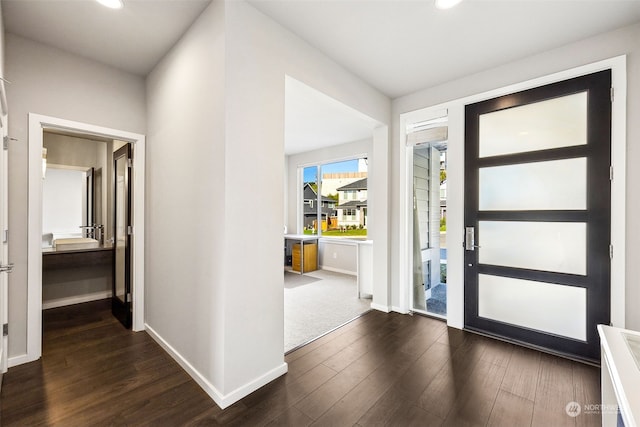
75	190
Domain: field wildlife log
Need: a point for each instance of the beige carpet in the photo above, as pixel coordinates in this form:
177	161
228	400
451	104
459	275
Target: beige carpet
317	302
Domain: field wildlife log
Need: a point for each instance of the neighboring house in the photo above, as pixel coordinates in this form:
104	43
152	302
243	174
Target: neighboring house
311	207
352	208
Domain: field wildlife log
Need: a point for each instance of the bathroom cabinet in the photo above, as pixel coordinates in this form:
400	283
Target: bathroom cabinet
77	258
77	275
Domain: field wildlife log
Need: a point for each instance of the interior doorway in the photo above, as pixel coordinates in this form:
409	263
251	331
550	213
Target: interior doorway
37	125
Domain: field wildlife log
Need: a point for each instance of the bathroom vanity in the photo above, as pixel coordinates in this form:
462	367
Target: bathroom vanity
620	371
75	257
73	274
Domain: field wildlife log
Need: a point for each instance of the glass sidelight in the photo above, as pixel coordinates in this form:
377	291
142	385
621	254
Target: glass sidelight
537	196
428	143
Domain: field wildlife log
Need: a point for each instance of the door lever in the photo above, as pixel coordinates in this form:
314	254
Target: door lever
470	239
6	268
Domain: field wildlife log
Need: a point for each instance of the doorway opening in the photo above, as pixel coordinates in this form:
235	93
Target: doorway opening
85	213
333	214
38	125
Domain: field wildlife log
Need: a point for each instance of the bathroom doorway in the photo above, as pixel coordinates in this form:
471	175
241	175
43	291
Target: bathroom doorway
37	126
86	221
121	288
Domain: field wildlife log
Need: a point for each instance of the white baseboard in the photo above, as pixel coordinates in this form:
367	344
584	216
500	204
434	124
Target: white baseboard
61	302
399	310
339	270
380	307
19	360
223	401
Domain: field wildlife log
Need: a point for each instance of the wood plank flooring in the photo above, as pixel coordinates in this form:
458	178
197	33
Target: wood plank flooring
381	369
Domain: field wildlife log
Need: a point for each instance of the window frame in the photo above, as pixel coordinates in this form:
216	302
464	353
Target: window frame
319	205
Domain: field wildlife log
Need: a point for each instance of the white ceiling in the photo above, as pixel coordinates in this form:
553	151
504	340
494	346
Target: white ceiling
313	120
401	46
397	46
132	39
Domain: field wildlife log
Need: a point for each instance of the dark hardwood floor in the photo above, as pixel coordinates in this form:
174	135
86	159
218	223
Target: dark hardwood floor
381	369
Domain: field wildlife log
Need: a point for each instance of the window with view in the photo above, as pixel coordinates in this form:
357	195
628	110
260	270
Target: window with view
335	199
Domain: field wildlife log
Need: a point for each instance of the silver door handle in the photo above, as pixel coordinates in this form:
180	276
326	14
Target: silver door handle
470	239
6	268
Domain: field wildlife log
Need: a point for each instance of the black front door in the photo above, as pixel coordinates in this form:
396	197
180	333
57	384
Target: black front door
537	215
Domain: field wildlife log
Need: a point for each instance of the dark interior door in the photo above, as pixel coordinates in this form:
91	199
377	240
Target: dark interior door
537	215
121	299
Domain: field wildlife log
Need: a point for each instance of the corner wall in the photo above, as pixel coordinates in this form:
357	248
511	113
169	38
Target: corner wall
185	199
604	46
55	83
260	53
215	291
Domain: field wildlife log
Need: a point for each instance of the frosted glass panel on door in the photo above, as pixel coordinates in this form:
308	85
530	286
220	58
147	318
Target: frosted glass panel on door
554	123
551	308
559	247
552	185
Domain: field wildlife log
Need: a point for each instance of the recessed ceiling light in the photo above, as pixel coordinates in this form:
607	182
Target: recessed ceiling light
446	4
113	4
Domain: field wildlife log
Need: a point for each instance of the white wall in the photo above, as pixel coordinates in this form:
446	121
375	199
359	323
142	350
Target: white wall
339	255
623	41
186	196
215	155
259	55
55	83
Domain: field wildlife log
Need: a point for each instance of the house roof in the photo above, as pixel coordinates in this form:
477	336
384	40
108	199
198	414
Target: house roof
352	204
310	194
360	184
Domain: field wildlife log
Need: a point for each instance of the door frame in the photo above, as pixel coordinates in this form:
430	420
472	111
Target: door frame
122	311
455	187
4	225
37	125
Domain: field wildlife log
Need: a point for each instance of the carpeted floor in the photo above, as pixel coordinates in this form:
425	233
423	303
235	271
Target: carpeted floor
317	302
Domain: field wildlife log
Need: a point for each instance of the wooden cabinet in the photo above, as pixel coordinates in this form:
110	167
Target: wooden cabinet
310	257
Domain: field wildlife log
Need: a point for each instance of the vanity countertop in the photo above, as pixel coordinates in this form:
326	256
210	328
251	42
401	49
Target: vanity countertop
57	251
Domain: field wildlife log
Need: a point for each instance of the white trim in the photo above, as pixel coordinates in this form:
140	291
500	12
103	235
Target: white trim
18	360
400	310
222	400
380	307
618	185
37	123
62	302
